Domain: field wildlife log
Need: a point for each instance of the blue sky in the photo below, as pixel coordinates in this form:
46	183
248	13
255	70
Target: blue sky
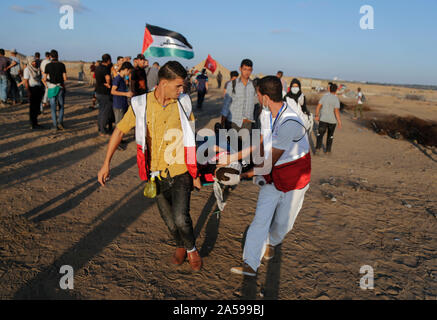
308	38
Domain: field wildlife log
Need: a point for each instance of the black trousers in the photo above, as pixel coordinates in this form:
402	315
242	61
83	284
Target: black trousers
174	206
36	95
105	112
323	127
200	98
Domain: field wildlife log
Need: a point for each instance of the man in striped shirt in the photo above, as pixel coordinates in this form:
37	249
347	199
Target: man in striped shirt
239	102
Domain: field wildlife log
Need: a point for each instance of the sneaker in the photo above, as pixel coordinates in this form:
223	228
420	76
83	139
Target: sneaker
195	260
179	256
60	127
270	252
244	270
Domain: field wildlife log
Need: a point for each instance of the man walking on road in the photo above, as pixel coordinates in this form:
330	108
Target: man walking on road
328	115
288	159
55	75
154	115
202	88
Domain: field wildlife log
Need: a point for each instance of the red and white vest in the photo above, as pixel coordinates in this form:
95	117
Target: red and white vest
293	169
139	104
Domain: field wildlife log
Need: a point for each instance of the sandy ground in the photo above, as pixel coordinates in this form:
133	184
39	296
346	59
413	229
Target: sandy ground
53	213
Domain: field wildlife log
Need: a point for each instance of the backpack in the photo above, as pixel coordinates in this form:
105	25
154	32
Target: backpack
234	83
363	98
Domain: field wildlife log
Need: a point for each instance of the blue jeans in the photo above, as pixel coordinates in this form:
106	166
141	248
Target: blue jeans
59	99
3	87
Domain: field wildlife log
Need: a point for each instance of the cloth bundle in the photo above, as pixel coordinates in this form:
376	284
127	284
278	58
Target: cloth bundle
229	175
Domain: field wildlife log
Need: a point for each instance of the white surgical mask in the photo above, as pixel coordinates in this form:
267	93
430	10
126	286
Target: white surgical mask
295	90
266	108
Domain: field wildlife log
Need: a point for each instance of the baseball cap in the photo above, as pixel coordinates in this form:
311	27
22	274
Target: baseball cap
14	51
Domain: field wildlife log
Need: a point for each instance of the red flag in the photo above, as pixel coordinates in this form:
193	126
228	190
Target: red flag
147	40
210	64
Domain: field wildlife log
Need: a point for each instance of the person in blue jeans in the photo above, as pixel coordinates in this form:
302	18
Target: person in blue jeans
5	65
58	75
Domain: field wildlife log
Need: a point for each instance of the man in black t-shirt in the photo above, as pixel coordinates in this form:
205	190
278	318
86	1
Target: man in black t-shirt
139	77
55	75
103	95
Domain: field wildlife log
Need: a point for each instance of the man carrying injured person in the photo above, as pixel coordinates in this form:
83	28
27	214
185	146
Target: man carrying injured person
286	171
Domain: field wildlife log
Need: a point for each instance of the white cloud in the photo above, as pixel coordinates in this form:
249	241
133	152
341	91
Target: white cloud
27	10
76	4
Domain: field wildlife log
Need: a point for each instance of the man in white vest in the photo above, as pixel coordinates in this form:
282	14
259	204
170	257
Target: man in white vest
166	150
284	183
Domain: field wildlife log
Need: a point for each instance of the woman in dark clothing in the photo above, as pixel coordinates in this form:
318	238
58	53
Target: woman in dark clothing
295	93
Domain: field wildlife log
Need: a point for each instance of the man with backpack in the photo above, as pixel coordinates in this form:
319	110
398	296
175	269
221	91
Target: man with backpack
202	88
239	102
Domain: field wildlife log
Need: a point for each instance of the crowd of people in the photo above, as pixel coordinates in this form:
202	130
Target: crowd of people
42	80
269	104
154	100
116	83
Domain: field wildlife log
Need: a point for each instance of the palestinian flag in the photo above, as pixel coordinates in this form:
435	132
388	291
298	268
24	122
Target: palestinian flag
160	42
210	64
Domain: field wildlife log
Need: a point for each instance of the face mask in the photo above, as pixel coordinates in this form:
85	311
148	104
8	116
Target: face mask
265	107
295	90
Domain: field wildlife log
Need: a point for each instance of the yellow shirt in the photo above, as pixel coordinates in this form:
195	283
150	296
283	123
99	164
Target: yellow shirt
163	153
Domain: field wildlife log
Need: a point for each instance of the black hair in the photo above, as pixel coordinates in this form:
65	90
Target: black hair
359	89
106	58
234	74
246	62
37	54
47	54
333	88
172	70
54	54
272	87
280	72
119	58
203	71
156	63
2	52
126	65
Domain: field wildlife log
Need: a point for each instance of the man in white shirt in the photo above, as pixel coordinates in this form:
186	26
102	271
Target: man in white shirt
359	106
282	193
